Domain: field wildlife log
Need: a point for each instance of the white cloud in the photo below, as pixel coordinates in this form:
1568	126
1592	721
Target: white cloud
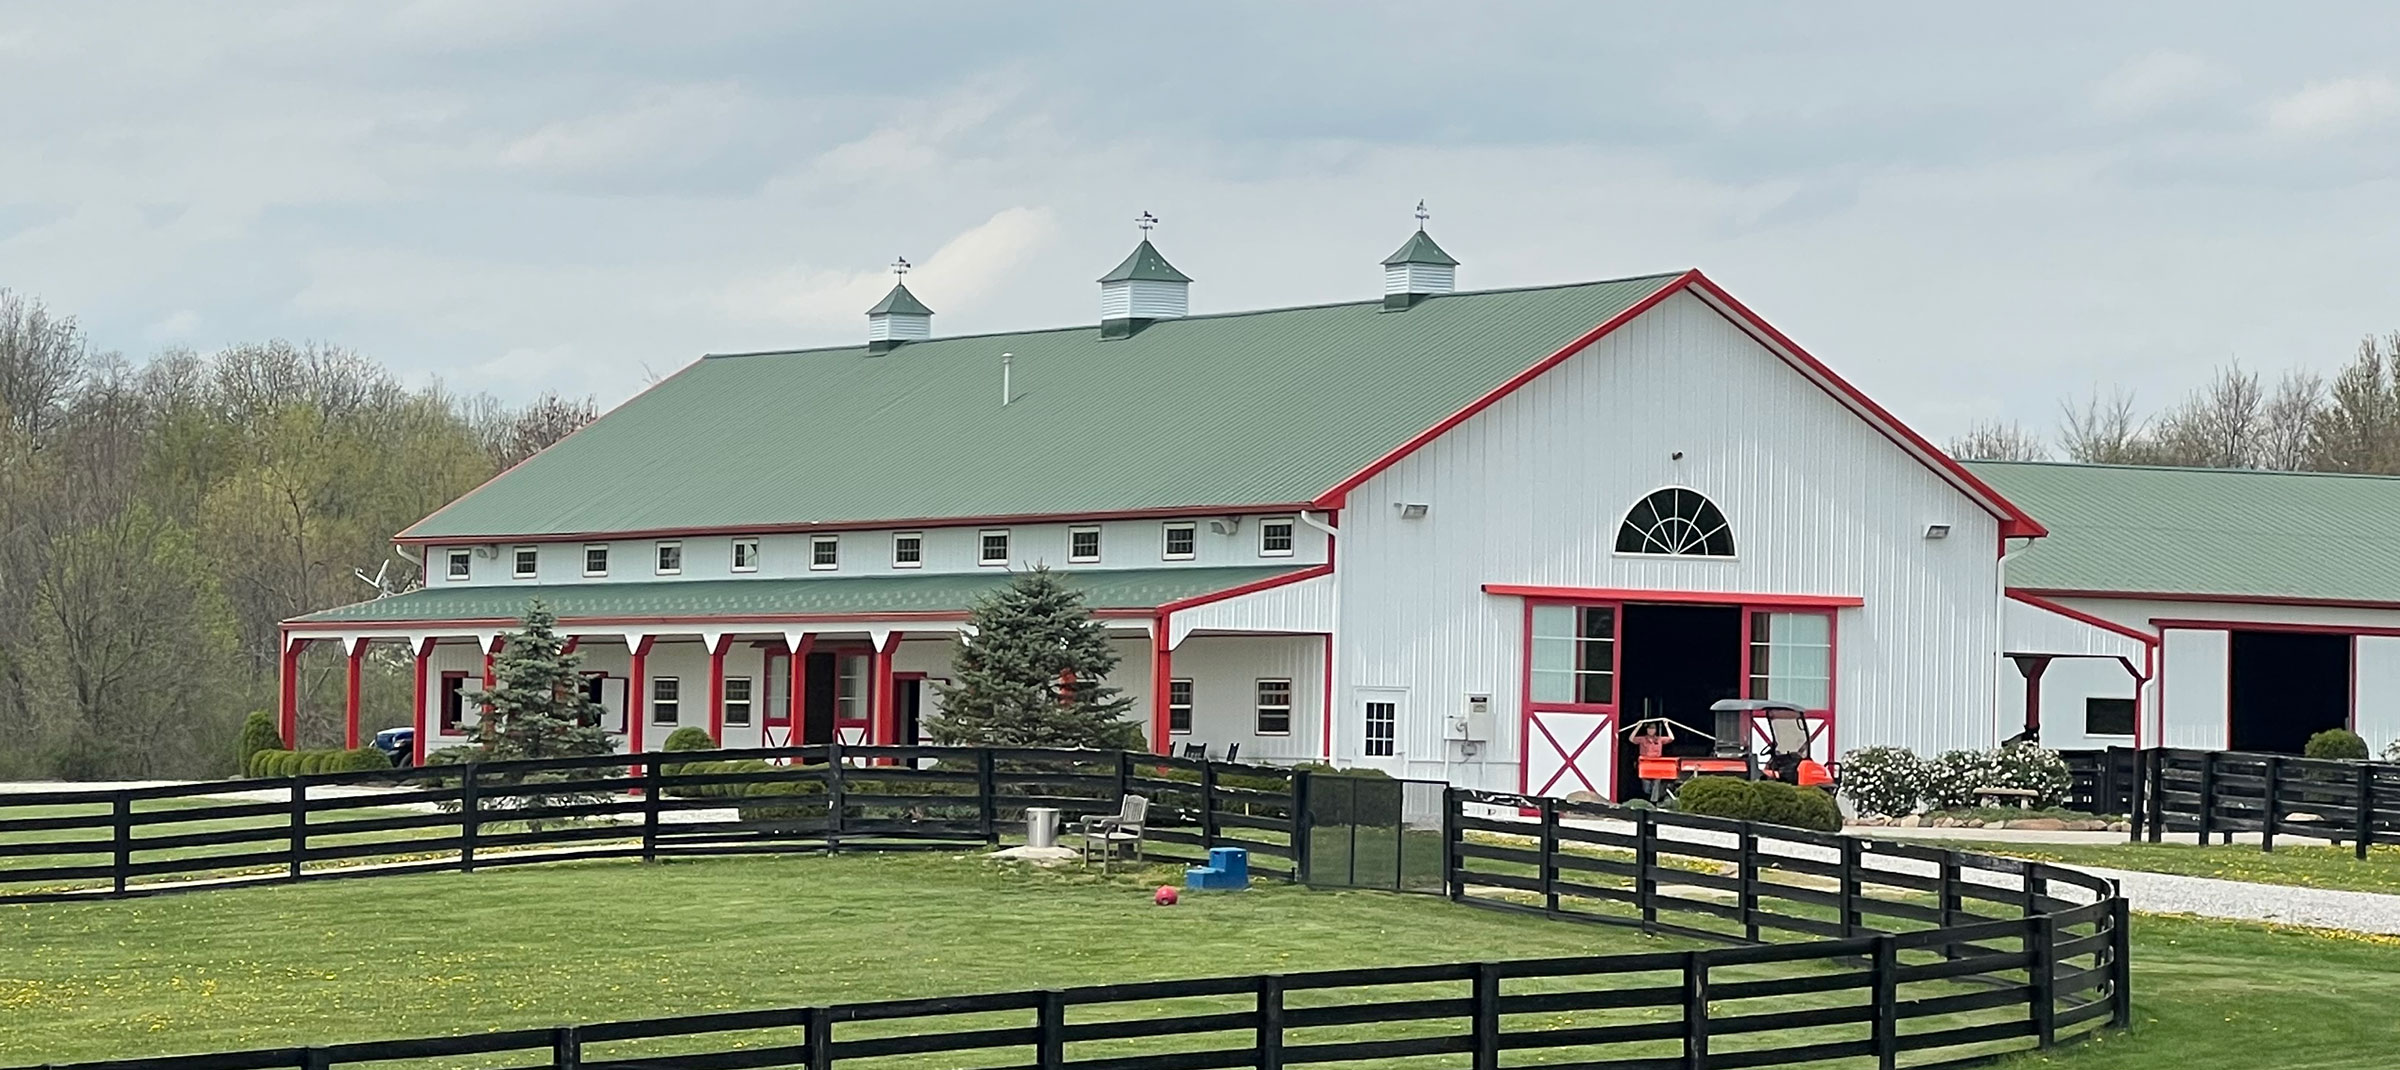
955	277
2151	83
672	126
179	325
2325	108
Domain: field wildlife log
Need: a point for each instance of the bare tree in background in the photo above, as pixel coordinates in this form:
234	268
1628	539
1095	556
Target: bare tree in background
2285	435
2217	426
41	357
2358	429
1992	440
2104	431
511	435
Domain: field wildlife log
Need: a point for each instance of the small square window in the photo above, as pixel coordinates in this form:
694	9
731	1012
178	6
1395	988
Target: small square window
1083	545
595	560
670	559
666	700
528	562
1182	542
745	555
908	549
737	700
1179	705
461	564
995	549
1275	537
1274	707
1383	728
825	552
2108	717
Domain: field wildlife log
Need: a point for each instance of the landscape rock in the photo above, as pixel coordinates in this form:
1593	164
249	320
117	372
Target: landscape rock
2041	824
1581	796
1974	822
1911	821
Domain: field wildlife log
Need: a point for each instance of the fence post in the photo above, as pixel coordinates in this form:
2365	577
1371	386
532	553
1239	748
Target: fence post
1050	1053
2266	832
1486	1021
299	829
314	1059
1645	859
1850	885
836	810
2156	785
1886	972
2134	807
1695	1010
2366	809
470	817
2208	795
1303	828
1454	883
820	1039
653	778
1124	772
1208	804
987	792
1549	853
1748	869
2041	950
1949	905
566	1048
2120	959
122	838
1270	1022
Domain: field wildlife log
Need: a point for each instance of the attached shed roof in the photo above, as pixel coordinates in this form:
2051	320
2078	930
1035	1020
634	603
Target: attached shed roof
1254	408
2193	532
866	596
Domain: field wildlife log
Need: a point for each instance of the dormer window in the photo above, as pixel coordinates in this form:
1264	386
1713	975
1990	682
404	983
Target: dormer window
459	564
528	562
670	559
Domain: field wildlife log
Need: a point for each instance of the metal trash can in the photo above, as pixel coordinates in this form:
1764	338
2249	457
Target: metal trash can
1041	826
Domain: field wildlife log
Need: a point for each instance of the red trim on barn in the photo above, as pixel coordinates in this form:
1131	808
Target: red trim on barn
1713	598
2194	625
2081	617
716	688
928	522
887	711
2228	599
1252	587
330	629
637	693
351	697
1162	670
422	653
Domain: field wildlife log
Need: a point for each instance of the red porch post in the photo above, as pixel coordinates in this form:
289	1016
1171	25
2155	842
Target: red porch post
287	711
797	698
886	729
1162	672
2031	667
423	649
637	694
350	693
716	688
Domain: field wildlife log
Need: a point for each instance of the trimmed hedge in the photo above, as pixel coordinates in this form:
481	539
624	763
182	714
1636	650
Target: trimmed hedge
258	734
689	737
1770	801
284	763
2340	744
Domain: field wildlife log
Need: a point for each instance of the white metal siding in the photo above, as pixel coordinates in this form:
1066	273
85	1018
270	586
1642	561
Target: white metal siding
1531	491
1225	671
2067	686
1418	279
2195	682
1306	606
2375	696
903	326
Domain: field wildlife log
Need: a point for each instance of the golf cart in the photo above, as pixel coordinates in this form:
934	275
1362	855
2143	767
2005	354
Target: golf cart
1782	755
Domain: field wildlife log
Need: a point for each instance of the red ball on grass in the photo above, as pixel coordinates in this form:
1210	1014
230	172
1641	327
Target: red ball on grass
1167	895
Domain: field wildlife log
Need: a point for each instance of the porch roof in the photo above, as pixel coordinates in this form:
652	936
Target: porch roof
769	599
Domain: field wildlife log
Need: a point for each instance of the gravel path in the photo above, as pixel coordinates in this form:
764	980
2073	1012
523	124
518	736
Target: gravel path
2208	897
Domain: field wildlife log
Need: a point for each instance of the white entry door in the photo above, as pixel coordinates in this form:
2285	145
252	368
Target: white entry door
1382	712
1570	752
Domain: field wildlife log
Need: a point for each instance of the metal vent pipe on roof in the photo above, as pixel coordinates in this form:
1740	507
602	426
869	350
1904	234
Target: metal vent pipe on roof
1007	363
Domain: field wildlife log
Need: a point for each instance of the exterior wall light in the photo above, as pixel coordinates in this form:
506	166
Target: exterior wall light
1937	531
1411	510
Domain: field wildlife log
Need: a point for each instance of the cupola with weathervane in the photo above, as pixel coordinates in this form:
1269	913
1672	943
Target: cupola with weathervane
899	317
1142	290
1419	270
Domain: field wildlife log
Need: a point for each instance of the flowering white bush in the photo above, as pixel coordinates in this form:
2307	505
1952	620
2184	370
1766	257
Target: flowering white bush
1954	778
1889	781
2391	751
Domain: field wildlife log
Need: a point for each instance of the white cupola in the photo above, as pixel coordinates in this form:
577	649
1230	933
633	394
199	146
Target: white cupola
1420	269
899	317
1142	290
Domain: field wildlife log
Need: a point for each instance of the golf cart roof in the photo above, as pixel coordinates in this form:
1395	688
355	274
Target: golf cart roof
1752	705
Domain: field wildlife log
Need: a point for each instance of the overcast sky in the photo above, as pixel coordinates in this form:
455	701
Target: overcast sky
1969	210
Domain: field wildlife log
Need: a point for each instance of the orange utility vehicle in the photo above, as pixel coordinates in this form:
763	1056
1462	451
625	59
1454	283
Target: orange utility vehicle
1781	728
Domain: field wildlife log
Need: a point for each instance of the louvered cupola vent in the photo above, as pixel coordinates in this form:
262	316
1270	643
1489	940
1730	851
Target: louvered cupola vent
897	319
1418	271
1142	290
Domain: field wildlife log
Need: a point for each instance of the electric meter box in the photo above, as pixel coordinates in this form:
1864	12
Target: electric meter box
1471	721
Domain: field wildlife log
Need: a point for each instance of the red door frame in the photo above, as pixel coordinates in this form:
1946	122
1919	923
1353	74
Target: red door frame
1827	723
1527	706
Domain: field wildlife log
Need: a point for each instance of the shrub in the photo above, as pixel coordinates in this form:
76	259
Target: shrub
689	737
1802	808
312	762
265	763
1718	796
2029	766
1891	781
1954	777
259	734
2391	751
361	760
2338	743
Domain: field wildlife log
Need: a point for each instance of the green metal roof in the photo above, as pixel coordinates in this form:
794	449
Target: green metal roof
1145	263
900	301
2198	531
1420	249
866	595
1253	408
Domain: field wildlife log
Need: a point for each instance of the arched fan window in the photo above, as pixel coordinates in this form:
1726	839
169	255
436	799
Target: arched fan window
1677	522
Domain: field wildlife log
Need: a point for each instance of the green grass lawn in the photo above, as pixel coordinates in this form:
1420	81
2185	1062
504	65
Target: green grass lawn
2311	867
581	942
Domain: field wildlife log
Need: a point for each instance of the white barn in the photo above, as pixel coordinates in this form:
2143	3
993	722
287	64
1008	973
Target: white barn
1455	535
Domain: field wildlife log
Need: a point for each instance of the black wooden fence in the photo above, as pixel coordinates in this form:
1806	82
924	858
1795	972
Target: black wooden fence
2103	781
1919	957
2219	793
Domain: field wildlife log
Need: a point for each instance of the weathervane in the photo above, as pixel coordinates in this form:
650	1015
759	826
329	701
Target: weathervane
1145	221
900	265
1422	214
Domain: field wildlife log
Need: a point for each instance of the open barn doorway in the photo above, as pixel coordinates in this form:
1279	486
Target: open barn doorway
2284	687
1674	662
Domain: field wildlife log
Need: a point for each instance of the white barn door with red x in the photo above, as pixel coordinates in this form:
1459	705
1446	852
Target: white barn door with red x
1570	752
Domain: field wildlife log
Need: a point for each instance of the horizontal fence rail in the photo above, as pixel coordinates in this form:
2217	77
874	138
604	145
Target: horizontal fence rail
2220	793
76	844
1823	950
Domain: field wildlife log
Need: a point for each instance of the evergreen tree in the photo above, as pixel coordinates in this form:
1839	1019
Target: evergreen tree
536	707
1034	674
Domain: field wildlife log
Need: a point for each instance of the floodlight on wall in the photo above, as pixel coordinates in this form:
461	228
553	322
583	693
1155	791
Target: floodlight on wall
1225	525
1411	510
1937	531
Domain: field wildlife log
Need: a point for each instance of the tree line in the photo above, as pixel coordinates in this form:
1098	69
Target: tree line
2236	420
159	520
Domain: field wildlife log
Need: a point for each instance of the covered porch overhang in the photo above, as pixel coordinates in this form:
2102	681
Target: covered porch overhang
2035	631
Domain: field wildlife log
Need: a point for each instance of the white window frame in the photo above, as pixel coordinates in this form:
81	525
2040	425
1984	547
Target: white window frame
1366	727
1166	540
588	548
1291	536
751	544
817	545
1093	558
1260	706
658	557
458	563
1186	705
983	550
747	702
917	541
666	708
516	562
